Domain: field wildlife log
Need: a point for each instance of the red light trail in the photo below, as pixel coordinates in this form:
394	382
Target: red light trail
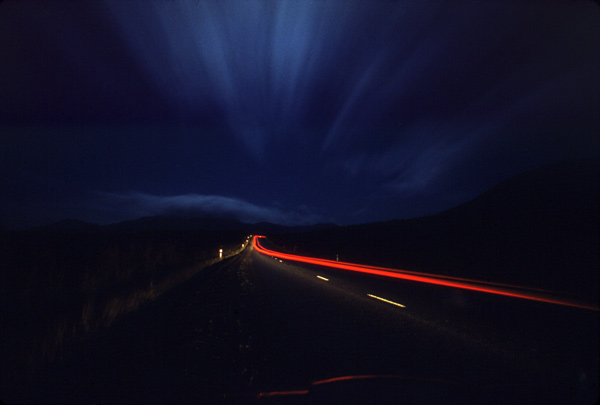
447	281
355	378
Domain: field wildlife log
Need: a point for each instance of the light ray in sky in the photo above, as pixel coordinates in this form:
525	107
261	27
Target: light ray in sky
339	103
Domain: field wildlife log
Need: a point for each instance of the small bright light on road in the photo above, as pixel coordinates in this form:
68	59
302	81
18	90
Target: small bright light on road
323	278
384	300
220	253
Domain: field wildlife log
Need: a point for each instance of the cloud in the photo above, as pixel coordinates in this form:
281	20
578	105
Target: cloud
137	204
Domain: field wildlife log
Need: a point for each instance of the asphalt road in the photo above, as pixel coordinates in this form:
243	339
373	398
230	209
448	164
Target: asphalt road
253	324
323	328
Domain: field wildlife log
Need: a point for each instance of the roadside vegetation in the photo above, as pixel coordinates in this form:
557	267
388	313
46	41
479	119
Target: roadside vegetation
56	288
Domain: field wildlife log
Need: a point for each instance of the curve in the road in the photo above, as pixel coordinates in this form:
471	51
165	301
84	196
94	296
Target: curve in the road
454	282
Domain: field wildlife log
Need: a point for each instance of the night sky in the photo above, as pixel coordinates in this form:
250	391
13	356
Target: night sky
294	112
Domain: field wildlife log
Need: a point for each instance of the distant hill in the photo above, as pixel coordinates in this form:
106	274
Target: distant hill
68	225
539	228
269	228
178	223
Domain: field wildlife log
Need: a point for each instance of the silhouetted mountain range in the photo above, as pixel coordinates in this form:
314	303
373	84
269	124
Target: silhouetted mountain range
179	223
270	228
539	228
69	225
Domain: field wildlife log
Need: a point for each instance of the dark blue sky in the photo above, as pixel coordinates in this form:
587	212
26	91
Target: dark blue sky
288	111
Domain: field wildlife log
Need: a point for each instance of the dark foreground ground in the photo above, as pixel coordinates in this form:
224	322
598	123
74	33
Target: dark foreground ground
252	324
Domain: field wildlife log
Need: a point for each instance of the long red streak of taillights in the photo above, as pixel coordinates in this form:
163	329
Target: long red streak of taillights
466	284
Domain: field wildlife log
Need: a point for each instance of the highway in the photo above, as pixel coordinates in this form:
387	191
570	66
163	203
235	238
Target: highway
435	279
328	322
254	327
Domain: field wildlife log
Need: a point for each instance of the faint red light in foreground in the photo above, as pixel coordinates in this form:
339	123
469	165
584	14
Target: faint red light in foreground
282	393
381	377
342	379
466	284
